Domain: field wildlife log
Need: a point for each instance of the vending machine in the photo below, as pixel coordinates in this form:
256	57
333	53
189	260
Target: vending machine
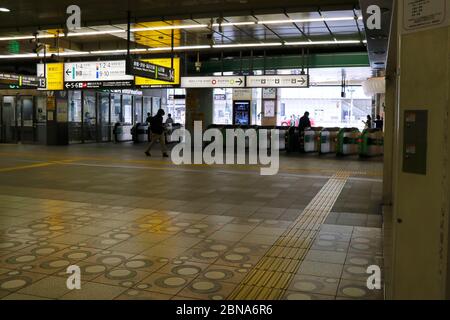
241	112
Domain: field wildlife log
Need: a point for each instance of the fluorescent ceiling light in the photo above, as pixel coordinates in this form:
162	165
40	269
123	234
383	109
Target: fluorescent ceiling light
230	24
4	10
92	33
42	36
174	27
15	56
307	20
109	51
199	47
192	47
309	43
240	45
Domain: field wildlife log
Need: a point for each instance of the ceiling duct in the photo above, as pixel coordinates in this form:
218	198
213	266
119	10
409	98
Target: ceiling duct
373	86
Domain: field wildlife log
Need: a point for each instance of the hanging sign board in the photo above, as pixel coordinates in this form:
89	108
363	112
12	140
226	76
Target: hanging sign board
281	81
162	62
97	75
54	75
16	81
213	82
149	70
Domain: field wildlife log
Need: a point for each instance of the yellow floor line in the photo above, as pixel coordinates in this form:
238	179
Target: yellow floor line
31	166
272	275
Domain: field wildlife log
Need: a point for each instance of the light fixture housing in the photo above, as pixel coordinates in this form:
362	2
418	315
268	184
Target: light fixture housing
4	10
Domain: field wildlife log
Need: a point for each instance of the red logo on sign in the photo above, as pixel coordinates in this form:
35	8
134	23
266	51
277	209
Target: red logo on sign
214	82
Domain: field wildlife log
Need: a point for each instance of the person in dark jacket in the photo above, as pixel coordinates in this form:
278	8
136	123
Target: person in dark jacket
304	122
158	134
378	122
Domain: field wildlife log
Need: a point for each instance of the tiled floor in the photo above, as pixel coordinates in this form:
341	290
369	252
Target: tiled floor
146	229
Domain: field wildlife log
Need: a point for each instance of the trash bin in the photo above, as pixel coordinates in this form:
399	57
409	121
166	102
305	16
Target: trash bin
118	132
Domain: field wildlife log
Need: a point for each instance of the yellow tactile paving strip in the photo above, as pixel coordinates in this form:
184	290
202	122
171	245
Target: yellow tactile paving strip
271	277
167	165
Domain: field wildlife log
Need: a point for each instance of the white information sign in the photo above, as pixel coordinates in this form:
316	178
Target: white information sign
425	14
96	71
242	94
213	82
281	81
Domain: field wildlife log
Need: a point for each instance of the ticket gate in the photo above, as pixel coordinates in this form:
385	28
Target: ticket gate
328	140
282	130
371	143
293	140
311	139
348	141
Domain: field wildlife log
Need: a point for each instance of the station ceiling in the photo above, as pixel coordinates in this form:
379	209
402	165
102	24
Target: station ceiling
206	26
51	14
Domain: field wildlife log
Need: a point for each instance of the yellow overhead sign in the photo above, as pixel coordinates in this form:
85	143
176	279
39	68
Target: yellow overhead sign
165	62
54	75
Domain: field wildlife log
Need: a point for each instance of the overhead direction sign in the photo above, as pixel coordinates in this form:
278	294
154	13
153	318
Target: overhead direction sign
20	81
162	62
96	71
98	84
97	75
279	81
213	82
149	70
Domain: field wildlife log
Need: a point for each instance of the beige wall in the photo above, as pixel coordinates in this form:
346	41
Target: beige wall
420	241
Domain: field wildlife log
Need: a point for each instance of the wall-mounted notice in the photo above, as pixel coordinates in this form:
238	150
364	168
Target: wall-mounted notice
269	93
424	14
269	108
213	82
281	81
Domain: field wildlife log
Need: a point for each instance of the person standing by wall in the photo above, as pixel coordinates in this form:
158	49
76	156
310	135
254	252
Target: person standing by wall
157	129
379	123
368	123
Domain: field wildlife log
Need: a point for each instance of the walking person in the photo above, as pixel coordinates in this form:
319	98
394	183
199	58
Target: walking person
157	129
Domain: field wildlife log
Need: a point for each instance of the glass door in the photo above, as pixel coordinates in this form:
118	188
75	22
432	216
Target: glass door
89	117
74	116
138	109
27	124
9	132
103	116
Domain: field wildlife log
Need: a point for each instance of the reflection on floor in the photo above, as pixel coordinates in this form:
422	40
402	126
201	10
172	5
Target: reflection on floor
145	229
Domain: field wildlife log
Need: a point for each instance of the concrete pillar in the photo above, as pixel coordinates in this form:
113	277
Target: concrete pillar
199	107
420	266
